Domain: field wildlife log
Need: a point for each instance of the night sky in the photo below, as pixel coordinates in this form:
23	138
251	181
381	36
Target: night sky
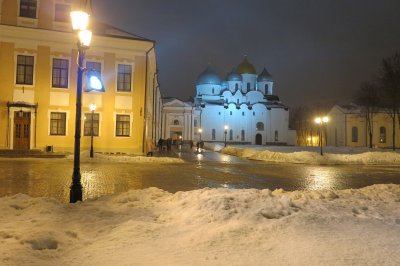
318	51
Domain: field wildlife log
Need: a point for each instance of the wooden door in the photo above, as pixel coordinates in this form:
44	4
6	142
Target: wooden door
258	139
22	130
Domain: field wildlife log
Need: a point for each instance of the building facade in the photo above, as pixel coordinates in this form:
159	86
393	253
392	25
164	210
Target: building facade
38	82
242	108
347	127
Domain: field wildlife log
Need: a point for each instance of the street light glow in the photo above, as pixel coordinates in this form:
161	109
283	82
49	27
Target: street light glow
92	107
200	130
226	127
85	37
80	20
325	119
318	120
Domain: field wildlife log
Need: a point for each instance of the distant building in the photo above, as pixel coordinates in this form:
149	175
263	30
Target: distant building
347	127
244	102
38	81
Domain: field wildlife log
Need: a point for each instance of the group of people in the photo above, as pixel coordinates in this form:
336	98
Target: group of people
166	144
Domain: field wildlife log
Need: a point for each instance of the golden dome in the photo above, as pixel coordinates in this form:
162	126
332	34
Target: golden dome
246	67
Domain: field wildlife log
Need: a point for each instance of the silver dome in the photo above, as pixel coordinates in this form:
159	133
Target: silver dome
208	77
264	76
234	76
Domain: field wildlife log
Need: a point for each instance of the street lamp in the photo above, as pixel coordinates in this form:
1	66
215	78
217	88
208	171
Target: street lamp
92	109
321	121
225	132
80	21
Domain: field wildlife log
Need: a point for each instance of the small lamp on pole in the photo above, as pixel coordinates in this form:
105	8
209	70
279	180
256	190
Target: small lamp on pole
321	121
225	133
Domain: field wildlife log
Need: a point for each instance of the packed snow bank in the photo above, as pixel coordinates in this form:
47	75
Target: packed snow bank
205	227
311	155
85	157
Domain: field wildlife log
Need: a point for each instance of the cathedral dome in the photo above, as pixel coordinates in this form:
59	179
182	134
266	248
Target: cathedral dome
246	67
208	77
234	76
264	76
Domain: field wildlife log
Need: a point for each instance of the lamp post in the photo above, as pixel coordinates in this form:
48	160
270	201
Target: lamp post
80	21
225	132
92	109
321	121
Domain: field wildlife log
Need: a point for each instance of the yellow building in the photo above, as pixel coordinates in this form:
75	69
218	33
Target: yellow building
38	81
347	127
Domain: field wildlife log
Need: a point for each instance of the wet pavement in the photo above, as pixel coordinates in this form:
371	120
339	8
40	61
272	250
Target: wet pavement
52	177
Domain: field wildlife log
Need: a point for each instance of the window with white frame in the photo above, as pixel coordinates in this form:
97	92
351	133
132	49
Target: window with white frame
25	69
60	73
62	12
124	78
27	8
94	66
58	122
123	124
89	124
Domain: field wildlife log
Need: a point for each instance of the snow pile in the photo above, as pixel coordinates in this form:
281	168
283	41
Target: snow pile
205	227
85	157
331	156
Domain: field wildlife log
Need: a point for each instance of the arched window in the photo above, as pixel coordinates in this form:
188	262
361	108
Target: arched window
354	134
242	113
260	126
382	135
236	86
213	134
213	90
243	135
266	88
276	135
176	122
231	113
248	86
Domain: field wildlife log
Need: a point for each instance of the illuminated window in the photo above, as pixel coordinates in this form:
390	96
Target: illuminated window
25	69
354	134
27	8
382	135
124	77
62	13
58	123
123	126
87	128
60	73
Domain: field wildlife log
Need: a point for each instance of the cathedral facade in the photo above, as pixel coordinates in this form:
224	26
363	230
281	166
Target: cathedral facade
242	108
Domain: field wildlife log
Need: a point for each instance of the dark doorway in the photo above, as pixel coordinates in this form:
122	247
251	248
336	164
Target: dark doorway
258	139
22	130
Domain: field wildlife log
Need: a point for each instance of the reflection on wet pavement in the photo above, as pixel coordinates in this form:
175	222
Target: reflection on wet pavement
52	177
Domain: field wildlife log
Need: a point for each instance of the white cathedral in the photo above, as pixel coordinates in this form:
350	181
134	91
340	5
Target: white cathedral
241	109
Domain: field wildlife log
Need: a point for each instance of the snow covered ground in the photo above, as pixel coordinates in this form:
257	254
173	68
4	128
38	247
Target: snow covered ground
85	157
310	155
205	227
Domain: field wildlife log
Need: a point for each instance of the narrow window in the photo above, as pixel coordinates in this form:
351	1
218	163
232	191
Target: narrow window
254	113
25	70
27	8
123	126
87	128
176	122
231	112
243	135
354	134
62	13
124	77
276	135
213	134
195	123
58	123
236	86
382	135
230	134
219	113
266	88
260	126
248	86
242	113
94	66
60	73
212	90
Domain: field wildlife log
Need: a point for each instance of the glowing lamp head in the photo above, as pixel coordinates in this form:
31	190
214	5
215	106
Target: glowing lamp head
92	107
325	119
226	127
80	20
200	130
318	120
85	37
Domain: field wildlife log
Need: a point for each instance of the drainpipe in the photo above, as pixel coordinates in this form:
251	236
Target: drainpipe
145	101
